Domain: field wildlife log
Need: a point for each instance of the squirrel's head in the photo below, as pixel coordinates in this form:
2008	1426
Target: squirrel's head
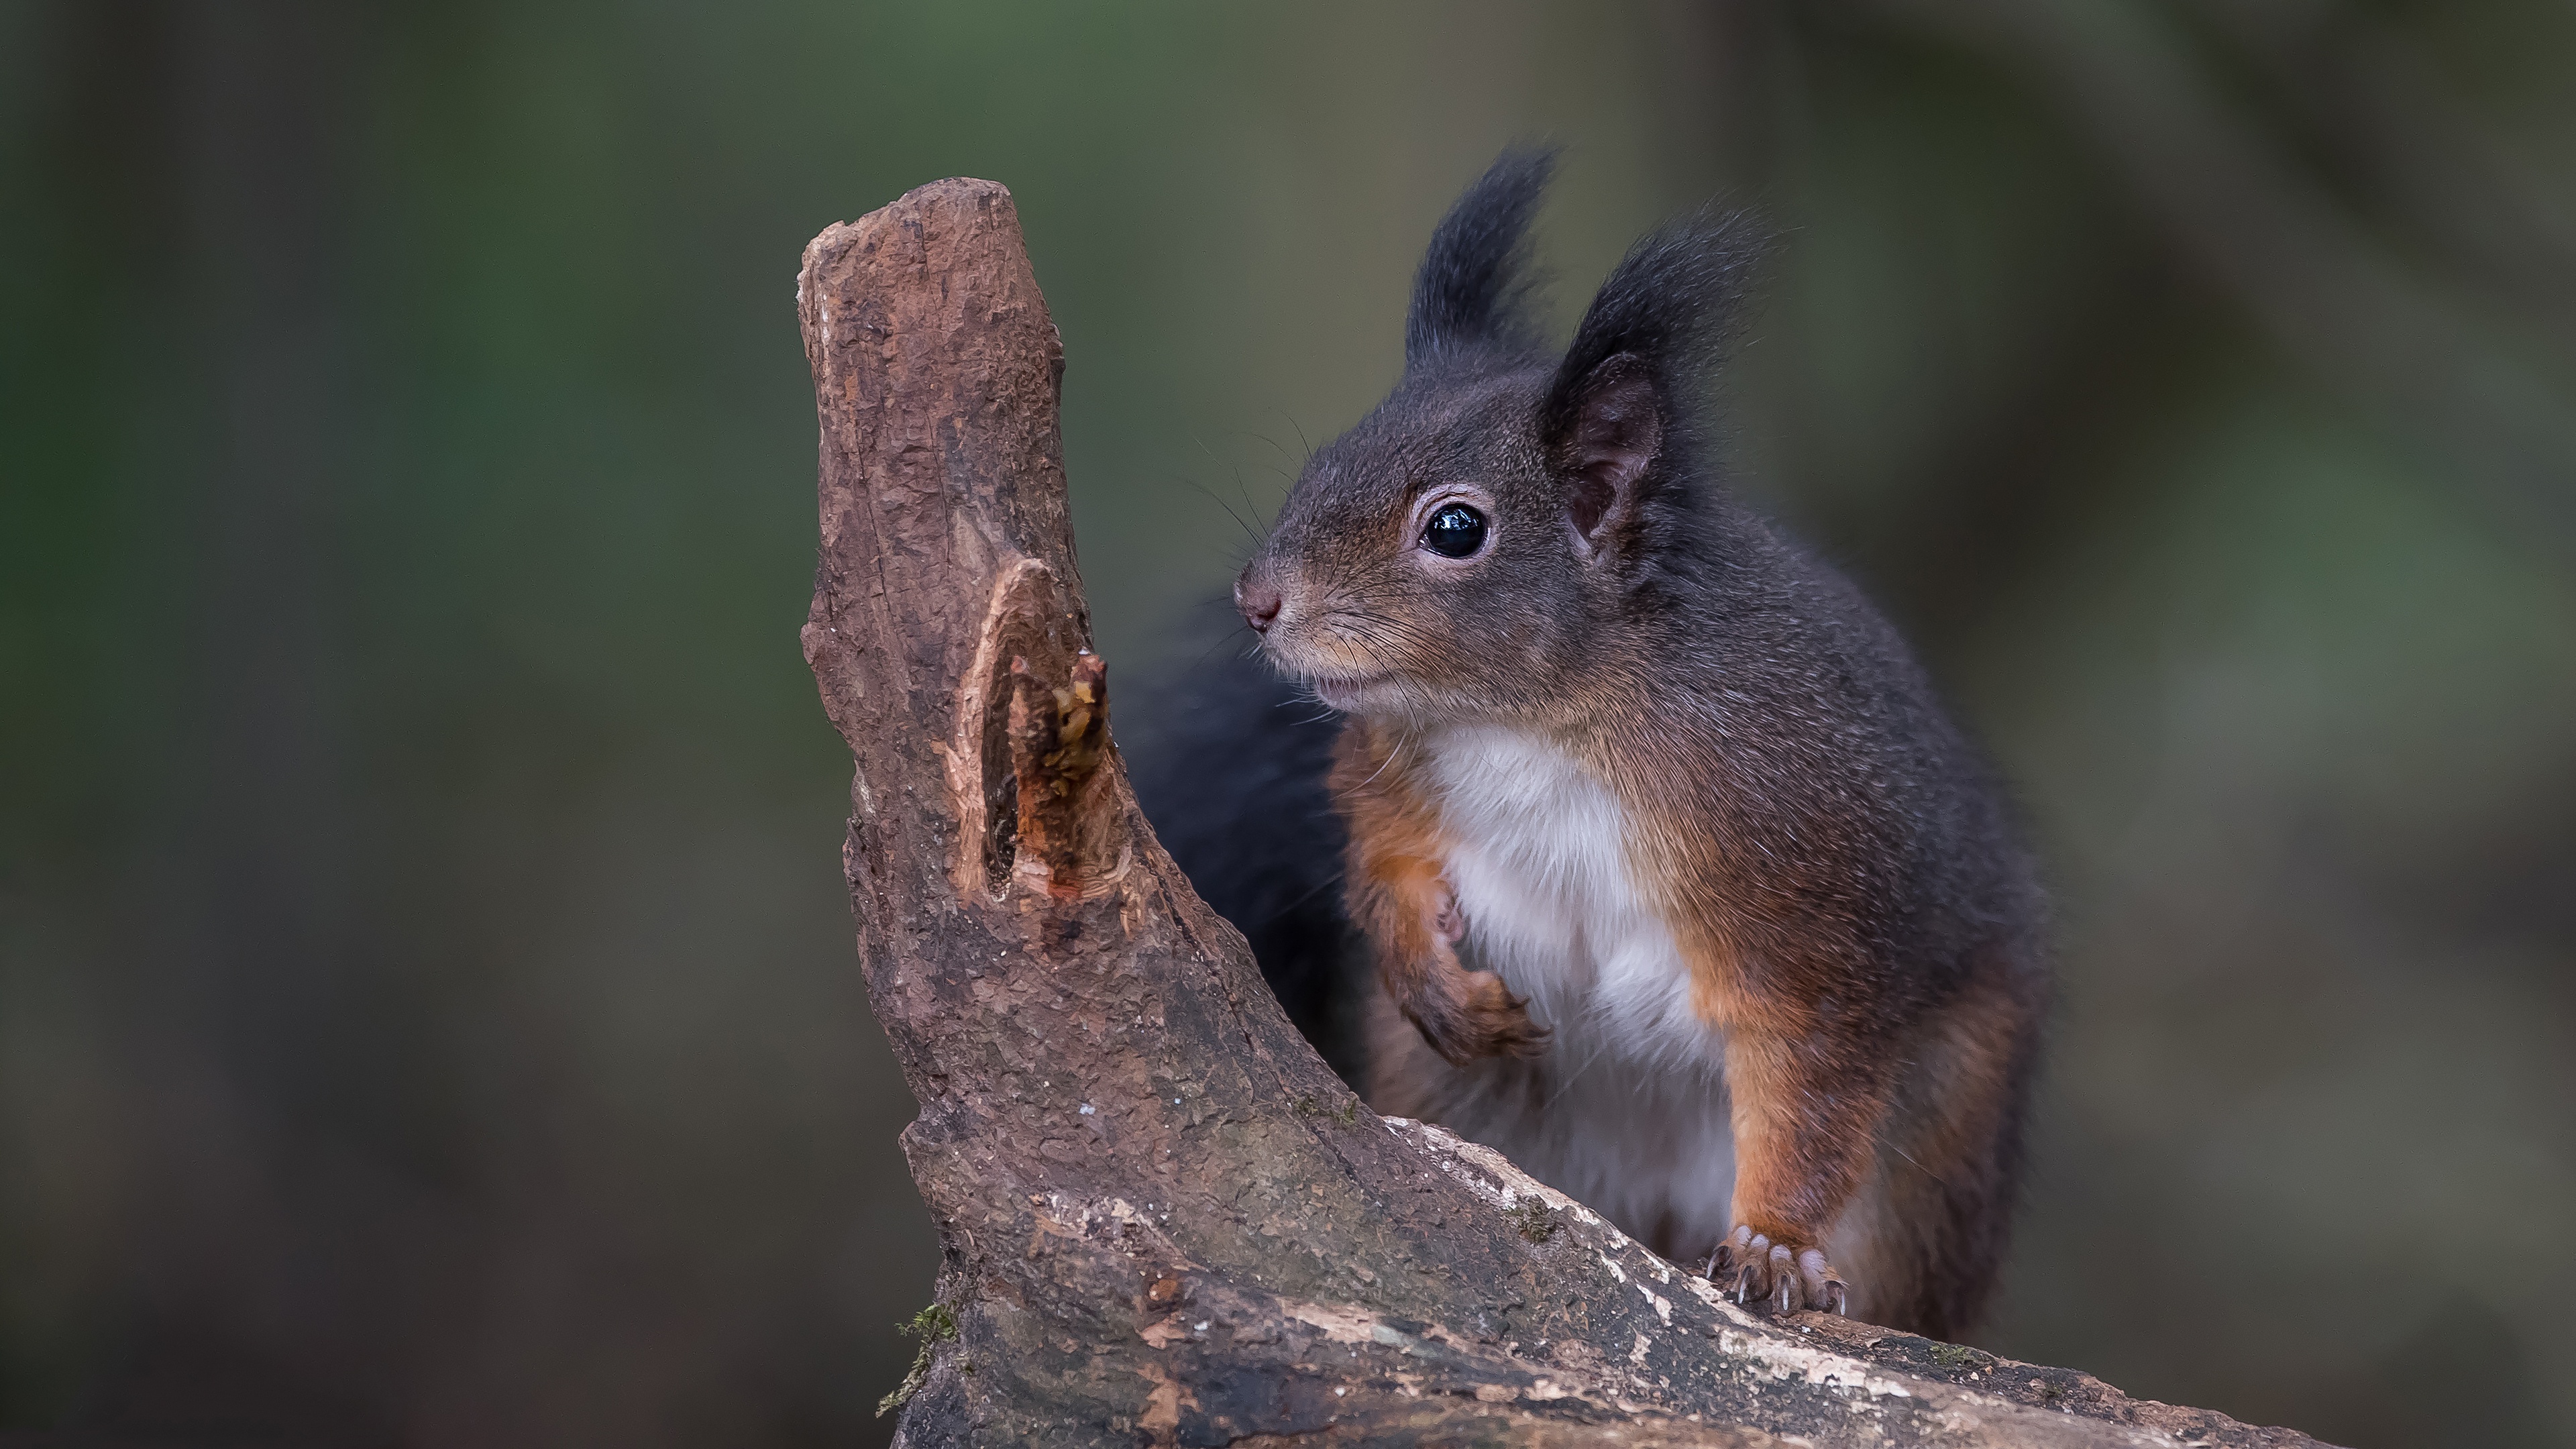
1494	523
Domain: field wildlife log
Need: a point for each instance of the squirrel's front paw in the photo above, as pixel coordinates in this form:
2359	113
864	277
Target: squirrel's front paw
1499	1021
1785	1273
1477	1017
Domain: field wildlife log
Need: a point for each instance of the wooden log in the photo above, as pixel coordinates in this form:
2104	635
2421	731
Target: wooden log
1162	1219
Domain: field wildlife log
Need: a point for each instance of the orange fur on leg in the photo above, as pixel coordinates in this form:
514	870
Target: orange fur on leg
1804	1121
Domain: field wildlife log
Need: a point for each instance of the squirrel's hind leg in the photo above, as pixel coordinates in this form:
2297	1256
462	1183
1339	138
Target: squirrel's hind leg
1931	1226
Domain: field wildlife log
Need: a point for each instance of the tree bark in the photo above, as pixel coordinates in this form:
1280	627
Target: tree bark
1162	1218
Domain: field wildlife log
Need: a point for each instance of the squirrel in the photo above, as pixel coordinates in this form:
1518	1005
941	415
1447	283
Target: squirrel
1683	891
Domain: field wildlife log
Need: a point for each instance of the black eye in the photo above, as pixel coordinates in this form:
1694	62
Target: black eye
1455	531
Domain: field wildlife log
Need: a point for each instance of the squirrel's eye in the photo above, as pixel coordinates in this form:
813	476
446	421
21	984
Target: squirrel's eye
1455	531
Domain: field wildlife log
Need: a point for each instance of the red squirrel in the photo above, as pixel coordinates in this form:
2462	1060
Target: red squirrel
1683	891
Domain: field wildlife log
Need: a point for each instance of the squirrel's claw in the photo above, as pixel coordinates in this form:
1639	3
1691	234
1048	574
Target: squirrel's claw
1756	1269
1786	1292
1826	1289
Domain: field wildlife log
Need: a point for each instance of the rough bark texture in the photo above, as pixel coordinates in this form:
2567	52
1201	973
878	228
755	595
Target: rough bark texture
1163	1219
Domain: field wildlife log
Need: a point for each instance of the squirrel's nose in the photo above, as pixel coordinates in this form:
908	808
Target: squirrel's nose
1259	603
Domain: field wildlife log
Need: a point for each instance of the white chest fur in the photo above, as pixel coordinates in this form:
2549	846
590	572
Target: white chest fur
1627	1109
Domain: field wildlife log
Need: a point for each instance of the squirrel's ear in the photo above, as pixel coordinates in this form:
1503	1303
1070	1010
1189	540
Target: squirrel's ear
1612	433
1639	359
1467	295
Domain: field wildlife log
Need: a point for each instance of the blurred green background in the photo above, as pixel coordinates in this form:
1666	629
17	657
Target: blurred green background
428	1010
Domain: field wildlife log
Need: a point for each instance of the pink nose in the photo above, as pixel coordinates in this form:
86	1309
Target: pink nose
1259	603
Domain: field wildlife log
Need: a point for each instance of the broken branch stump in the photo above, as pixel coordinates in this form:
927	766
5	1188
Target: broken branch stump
1163	1219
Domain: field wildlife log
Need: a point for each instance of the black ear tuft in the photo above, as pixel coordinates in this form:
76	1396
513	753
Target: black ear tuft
1666	310
1467	295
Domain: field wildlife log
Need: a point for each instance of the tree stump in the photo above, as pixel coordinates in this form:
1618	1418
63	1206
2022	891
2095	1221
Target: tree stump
1163	1219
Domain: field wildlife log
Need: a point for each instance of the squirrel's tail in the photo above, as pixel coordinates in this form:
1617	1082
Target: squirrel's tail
1229	765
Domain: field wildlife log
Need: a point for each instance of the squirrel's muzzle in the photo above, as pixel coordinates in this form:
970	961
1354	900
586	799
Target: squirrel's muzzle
1259	600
